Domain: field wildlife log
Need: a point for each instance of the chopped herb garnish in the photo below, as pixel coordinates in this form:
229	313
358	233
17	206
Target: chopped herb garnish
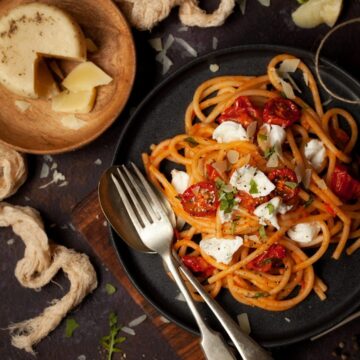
227	198
309	201
260	295
262	232
270	208
191	141
110	342
219	184
263	137
110	289
71	326
269	151
291	185
253	187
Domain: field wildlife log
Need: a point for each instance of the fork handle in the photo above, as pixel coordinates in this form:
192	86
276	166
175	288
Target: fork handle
247	347
212	343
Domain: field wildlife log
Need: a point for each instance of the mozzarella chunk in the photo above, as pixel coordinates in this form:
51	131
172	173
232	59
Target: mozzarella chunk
315	153
283	209
180	180
267	212
252	181
222	250
275	133
229	131
304	232
225	217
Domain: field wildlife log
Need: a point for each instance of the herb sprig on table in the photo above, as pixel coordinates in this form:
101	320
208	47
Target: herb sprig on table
111	341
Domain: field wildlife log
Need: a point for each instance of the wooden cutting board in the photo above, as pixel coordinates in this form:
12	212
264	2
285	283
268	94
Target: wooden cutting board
87	217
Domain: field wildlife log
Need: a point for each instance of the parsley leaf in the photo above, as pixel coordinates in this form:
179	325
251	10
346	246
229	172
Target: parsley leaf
309	201
110	289
110	342
253	187
270	208
291	185
269	151
227	198
219	184
71	326
260	295
233	227
262	231
191	141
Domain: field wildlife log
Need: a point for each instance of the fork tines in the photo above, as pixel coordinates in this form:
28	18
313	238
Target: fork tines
138	197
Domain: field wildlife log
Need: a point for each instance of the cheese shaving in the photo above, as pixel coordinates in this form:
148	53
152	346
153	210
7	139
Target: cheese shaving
244	323
187	47
72	122
289	65
214	68
22	105
156	44
287	89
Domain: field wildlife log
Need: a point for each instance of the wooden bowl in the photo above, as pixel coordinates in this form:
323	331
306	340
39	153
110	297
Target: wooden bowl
39	130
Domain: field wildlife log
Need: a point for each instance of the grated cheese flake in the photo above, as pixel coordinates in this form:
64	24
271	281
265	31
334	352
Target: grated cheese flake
156	44
251	129
244	323
264	2
289	65
214	68
128	330
137	321
287	89
306	79
242	5
22	105
72	122
215	43
187	47
45	170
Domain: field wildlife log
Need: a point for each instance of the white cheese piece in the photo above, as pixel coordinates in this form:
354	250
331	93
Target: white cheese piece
275	134
22	105
242	178
72	122
229	131
222	250
30	31
267	212
180	180
315	153
85	77
287	89
316	12
79	102
283	208
289	65
304	232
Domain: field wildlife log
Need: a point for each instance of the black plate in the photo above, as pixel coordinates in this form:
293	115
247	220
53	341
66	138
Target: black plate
161	116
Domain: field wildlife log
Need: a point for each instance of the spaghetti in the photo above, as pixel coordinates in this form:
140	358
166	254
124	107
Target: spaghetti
268	177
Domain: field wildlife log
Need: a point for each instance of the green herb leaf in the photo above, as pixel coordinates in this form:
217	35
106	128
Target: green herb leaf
260	295
219	184
268	152
191	141
291	185
71	326
110	342
263	137
253	187
262	231
110	289
270	208
227	198
309	201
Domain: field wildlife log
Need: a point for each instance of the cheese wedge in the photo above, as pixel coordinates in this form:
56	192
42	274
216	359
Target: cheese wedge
85	77
79	102
29	32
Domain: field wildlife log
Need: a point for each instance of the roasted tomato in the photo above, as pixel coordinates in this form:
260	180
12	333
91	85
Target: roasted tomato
201	199
280	111
286	184
250	203
269	260
344	185
198	265
212	173
340	136
242	111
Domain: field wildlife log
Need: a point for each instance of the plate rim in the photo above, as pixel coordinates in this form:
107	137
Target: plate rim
163	83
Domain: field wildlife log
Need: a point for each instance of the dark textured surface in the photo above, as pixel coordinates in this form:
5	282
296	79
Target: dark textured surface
260	25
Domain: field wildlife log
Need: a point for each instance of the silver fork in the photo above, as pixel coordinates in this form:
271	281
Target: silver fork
156	231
